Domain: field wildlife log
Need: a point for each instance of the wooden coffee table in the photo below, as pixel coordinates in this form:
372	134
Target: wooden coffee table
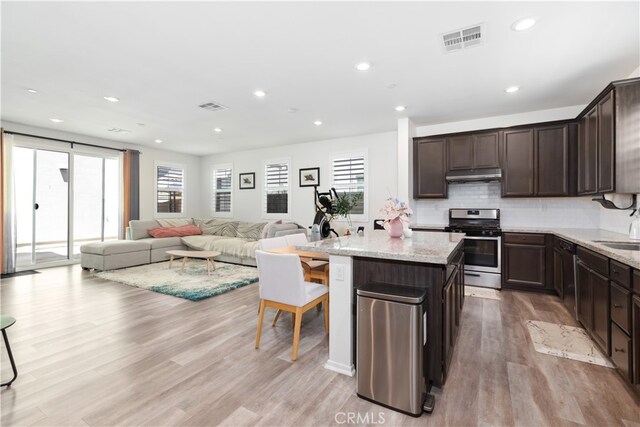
205	255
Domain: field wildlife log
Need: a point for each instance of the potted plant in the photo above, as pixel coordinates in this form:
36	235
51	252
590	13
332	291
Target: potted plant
344	204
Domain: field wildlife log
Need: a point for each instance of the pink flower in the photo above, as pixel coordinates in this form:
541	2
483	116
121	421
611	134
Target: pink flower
394	208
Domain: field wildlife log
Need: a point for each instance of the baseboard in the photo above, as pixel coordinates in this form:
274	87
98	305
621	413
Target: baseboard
340	368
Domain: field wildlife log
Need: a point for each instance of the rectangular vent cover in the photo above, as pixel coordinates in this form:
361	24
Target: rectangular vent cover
213	106
119	130
461	39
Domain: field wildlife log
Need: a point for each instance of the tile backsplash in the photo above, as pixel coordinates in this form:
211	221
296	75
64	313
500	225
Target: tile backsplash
558	212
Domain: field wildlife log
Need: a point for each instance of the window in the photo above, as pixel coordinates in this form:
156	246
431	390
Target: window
276	188
350	176
169	190
222	185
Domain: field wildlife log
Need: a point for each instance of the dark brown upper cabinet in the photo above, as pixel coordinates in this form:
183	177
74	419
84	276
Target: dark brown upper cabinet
552	175
608	152
518	156
537	161
429	168
587	153
474	151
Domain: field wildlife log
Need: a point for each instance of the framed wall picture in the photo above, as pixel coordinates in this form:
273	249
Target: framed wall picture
309	177
247	181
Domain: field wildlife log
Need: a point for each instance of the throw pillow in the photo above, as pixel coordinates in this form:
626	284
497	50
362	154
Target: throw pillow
174	222
251	230
180	231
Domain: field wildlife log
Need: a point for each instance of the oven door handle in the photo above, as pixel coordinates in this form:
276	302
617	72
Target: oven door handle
482	238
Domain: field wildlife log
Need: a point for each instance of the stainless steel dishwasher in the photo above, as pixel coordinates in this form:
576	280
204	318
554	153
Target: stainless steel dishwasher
391	367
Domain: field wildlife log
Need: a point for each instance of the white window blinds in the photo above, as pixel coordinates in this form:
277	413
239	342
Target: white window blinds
276	188
349	177
222	190
170	189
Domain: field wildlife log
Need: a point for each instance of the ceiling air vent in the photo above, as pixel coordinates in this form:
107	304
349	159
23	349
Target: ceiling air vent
461	39
118	130
213	106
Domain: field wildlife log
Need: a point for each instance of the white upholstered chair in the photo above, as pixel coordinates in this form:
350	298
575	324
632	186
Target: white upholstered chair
282	286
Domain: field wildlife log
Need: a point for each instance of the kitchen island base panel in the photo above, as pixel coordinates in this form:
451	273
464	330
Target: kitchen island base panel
340	318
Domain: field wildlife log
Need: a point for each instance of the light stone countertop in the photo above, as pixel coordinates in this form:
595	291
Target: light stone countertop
585	237
424	247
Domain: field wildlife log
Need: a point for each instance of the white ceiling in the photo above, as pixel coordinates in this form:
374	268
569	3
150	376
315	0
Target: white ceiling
164	59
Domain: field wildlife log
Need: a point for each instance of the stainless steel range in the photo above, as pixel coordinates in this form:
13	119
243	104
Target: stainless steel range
482	244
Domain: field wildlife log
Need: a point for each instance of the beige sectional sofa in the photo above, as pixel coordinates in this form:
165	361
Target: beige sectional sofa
235	240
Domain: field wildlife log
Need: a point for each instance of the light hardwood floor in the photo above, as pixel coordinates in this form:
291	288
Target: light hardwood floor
93	352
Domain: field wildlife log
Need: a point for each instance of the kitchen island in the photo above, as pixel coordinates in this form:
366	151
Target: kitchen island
433	261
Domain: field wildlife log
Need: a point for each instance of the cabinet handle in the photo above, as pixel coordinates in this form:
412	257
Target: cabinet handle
621	350
615	272
617	306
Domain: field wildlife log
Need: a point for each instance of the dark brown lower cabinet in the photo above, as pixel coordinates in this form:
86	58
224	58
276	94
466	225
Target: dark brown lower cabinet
635	340
621	352
449	322
524	261
585	295
558	272
600	327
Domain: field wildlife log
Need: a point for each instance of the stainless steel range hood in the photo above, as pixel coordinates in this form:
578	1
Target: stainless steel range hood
475	175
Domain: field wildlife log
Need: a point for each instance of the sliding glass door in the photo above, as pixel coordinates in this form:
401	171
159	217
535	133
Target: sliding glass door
95	200
63	200
42	206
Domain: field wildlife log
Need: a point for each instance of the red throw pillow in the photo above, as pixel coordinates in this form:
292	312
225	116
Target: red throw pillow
182	230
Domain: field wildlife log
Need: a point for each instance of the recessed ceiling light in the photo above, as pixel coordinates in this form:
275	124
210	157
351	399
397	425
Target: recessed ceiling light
401	108
57	120
317	123
32	91
217	130
363	66
260	93
523	24
158	141
512	89
111	98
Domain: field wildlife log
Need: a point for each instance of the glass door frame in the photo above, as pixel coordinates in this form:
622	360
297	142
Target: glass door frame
36	144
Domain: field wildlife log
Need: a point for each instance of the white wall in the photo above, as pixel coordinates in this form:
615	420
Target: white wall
247	204
148	157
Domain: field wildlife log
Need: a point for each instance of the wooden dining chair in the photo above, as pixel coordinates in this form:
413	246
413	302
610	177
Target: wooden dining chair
313	268
282	286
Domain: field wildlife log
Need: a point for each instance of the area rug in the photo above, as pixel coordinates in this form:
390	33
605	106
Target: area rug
193	283
473	291
565	341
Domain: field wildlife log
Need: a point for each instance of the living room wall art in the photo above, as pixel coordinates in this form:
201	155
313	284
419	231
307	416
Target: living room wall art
247	181
309	177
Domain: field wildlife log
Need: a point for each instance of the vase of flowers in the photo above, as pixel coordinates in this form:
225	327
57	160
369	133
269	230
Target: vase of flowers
396	214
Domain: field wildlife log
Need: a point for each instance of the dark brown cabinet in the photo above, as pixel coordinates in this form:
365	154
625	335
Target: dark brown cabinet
558	271
537	161
592	283
430	160
517	179
606	155
635	339
460	152
474	151
524	261
600	132
584	288
587	153
449	322
600	323
552	161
